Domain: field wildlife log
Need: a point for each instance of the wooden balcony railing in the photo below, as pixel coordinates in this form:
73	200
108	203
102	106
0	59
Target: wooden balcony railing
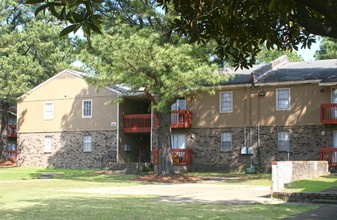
328	113
137	123
330	155
179	156
141	123
181	119
12	131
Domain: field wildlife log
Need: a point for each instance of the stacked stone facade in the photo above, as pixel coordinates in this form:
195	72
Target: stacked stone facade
67	149
305	142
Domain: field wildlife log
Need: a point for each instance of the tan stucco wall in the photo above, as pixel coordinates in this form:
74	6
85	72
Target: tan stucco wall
250	109
66	92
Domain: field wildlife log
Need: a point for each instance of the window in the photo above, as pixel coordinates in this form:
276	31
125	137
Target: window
48	144
282	99
180	104
87	109
48	111
87	143
178	141
226	102
226	141
283	141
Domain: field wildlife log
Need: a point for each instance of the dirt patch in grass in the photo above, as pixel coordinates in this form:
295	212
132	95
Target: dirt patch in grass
7	163
176	178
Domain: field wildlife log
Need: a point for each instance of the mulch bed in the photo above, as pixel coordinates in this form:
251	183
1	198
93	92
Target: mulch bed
176	178
7	164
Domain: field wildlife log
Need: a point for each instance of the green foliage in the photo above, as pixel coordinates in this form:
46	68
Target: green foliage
327	49
30	50
266	56
140	60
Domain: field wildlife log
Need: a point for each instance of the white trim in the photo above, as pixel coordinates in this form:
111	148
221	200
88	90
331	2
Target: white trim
72	72
287	83
91	108
44	111
289	99
228	134
328	84
220	111
84	147
331	93
50	148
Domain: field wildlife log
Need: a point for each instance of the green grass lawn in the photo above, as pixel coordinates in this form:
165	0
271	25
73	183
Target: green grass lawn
24	196
313	185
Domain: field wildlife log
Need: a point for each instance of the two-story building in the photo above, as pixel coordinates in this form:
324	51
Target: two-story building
277	111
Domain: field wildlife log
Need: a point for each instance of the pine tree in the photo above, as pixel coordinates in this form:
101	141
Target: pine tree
30	53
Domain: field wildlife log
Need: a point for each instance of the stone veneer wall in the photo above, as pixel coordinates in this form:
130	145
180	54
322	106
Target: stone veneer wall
285	172
305	142
67	149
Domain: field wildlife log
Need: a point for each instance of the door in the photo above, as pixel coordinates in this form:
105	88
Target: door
334	101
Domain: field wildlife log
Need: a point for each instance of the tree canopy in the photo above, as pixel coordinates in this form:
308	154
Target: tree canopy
327	49
164	71
237	27
30	53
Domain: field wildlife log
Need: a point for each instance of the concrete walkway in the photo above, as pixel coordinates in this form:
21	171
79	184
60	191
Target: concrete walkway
214	193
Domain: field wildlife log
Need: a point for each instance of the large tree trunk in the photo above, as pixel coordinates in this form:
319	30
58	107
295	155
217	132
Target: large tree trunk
4	130
164	144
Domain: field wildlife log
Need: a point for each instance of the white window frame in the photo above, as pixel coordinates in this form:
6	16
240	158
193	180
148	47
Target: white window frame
180	104
84	115
175	138
278	108
283	141
231	102
226	138
48	144
87	143
48	111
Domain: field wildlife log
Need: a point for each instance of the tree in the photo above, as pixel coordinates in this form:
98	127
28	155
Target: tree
238	27
164	71
266	56
30	53
327	49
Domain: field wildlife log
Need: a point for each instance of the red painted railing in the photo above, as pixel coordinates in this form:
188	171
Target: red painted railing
11	131
137	123
181	119
179	156
330	155
328	113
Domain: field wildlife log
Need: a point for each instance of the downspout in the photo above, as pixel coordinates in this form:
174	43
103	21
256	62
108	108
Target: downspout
151	133
117	155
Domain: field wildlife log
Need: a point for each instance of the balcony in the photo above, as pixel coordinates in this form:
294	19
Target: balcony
181	119
137	123
179	156
12	131
328	113
141	123
330	155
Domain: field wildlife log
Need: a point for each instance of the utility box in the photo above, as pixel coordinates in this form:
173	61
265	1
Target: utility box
247	150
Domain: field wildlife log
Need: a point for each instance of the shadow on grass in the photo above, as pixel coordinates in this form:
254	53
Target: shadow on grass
313	185
82	175
142	208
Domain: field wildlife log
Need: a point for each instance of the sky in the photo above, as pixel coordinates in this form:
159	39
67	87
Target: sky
308	54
